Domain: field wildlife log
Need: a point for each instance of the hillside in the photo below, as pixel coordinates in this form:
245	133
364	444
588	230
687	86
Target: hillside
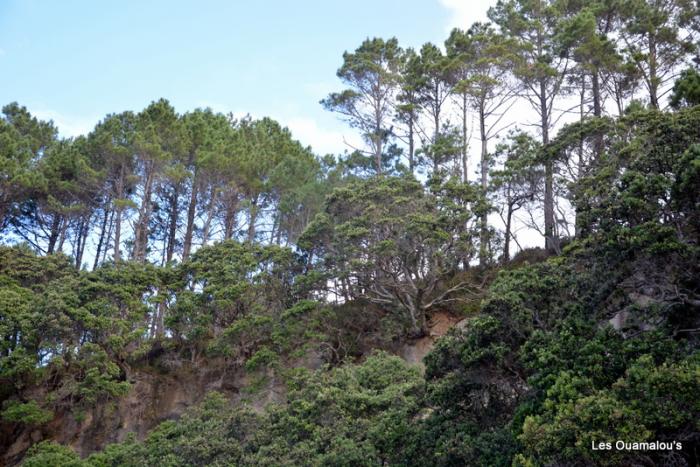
599	342
500	267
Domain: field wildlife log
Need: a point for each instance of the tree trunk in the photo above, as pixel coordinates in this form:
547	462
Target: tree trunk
53	236
272	230
377	136
101	240
158	320
278	237
378	155
595	89
550	240
230	218
252	218
436	121
3	211
120	209
117	235
76	244
506	244
210	217
172	228
549	237
411	149
191	211
465	155
141	234
418	318
82	240
109	236
62	236
653	78
484	234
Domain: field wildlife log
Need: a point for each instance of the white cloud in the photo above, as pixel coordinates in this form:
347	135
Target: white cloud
322	140
68	126
463	13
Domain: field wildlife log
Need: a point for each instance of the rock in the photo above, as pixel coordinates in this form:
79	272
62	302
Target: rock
415	351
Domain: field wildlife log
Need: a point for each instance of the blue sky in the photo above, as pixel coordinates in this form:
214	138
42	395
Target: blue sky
74	61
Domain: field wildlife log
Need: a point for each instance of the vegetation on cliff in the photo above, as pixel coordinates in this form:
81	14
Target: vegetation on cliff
163	244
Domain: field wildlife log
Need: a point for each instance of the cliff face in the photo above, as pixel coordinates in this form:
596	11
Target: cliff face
415	350
154	397
159	395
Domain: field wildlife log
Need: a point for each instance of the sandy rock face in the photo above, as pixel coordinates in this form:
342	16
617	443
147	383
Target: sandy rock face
414	352
154	397
159	395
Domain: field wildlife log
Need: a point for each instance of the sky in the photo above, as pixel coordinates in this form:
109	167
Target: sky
74	61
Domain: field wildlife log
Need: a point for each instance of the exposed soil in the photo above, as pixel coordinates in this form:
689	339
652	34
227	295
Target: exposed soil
161	395
414	351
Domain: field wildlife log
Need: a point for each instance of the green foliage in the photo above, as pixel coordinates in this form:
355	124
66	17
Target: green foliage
596	344
370	72
515	185
27	412
243	301
63	329
542	363
388	241
97	377
655	39
650	403
686	89
50	453
230	279
22	139
352	415
211	434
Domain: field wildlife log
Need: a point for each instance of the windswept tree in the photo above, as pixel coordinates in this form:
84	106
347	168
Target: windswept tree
224	183
370	72
297	193
460	70
657	40
171	192
23	140
111	142
485	58
542	74
262	145
516	183
68	199
585	33
206	140
575	151
388	241
407	111
434	88
158	141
